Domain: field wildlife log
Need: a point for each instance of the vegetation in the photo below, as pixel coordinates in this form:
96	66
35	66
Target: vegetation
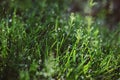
41	41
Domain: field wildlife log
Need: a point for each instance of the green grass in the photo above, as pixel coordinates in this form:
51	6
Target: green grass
45	43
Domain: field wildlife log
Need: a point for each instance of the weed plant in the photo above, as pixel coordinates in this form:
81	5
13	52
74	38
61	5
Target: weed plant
43	42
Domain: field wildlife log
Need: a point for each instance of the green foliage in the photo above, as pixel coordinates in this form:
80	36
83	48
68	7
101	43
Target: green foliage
43	42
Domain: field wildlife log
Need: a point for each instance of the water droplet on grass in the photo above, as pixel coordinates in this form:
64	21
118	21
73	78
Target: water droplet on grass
26	65
36	24
3	30
10	20
95	50
59	29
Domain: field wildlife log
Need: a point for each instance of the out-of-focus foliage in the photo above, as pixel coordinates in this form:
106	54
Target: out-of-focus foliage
108	10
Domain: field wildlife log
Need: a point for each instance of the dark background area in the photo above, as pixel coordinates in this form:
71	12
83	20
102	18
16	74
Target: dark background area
109	9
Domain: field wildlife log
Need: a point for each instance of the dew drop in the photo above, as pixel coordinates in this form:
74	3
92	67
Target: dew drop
10	20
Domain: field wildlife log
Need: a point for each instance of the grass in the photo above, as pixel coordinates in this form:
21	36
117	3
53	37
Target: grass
45	43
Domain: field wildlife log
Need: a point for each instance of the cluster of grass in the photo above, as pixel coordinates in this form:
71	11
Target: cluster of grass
43	42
